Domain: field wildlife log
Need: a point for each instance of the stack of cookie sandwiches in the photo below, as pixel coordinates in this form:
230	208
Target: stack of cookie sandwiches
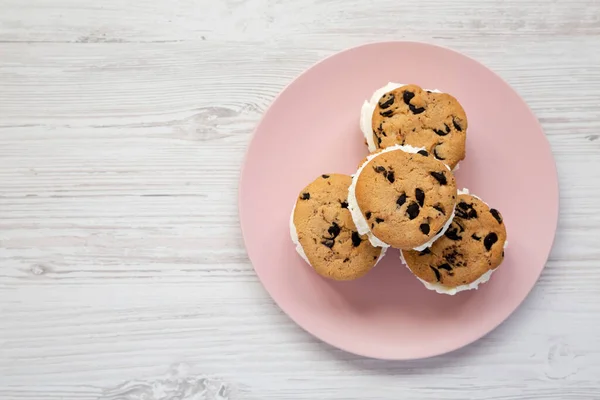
404	196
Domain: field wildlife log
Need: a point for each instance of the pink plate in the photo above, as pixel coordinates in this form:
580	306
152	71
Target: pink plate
312	128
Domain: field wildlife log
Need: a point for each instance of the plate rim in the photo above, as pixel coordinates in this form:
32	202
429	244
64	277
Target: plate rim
425	354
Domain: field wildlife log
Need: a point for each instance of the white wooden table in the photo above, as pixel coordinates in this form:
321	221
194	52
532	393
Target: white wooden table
123	125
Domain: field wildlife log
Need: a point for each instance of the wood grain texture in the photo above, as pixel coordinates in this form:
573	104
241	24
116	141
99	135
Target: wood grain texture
123	127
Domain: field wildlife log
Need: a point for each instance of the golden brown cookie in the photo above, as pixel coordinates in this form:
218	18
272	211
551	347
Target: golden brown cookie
470	250
402	197
421	118
324	234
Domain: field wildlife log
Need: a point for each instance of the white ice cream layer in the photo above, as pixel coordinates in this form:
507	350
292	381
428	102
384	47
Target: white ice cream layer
439	288
368	107
359	220
300	249
383	251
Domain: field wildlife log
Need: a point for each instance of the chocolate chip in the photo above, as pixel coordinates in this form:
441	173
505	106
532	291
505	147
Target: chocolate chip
424	252
436	272
424	228
380	169
435	153
388	102
423	153
334	230
496	214
401	199
368	214
440	208
465	211
447	128
346	260
391	177
416	110
374	257
413	210
387	113
454	230
344	204
379	141
356	239
445	266
379	220
305	196
328	242
440	177
502	253
474	236
453	258
407	96
440	132
325	176
452	234
380	128
456	125
420	196
461	228
489	240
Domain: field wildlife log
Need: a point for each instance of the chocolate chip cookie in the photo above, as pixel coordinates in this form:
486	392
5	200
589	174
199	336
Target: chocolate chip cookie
402	197
421	118
325	236
470	250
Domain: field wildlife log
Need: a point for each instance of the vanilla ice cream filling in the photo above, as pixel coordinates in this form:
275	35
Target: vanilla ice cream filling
439	288
357	216
300	249
368	108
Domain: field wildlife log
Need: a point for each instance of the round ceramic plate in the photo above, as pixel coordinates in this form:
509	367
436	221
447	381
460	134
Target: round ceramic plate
312	128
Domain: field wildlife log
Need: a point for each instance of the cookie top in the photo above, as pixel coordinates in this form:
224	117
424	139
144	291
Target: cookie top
322	228
468	252
421	118
402	197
